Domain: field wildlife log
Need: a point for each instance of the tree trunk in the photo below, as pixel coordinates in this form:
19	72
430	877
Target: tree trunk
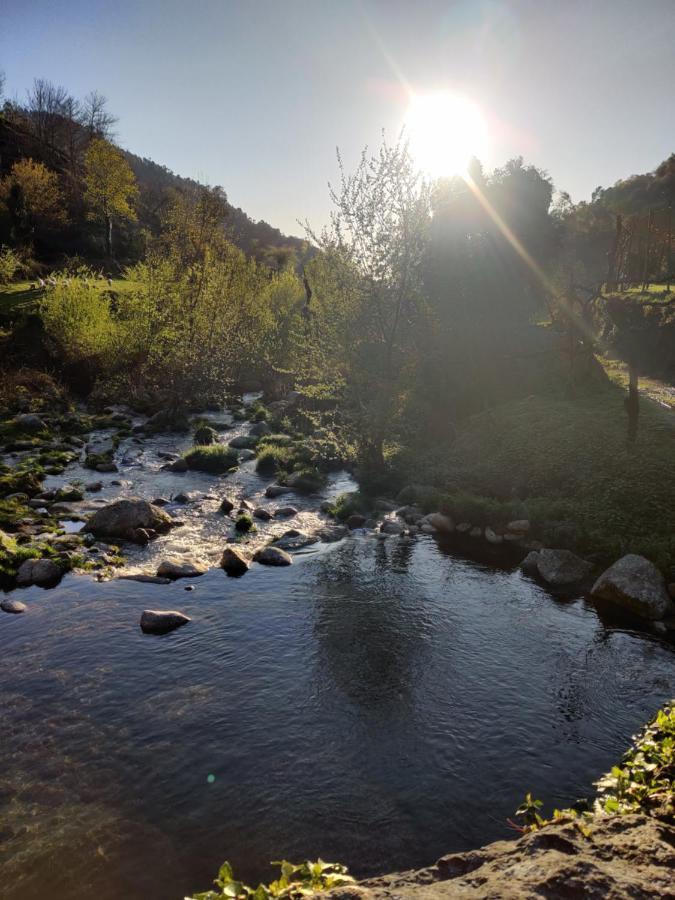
108	236
632	401
613	255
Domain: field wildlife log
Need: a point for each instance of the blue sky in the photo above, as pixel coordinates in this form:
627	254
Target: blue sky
256	95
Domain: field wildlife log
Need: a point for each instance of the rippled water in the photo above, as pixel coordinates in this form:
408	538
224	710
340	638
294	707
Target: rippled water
379	702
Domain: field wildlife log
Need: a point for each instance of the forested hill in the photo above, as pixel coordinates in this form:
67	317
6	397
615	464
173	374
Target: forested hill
253	237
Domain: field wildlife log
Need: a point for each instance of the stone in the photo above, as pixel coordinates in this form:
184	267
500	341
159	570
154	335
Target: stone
276	490
43	572
160	501
332	533
122	518
144	579
562	567
180	465
106	467
273	556
285	512
243	442
94	487
356	521
246	455
438	522
634	583
185	497
174	569
261	513
30	423
69	494
13	606
384	505
464	527
520	525
492	537
529	564
245	505
294	540
226	505
260	429
391	526
476	532
160	621
233	561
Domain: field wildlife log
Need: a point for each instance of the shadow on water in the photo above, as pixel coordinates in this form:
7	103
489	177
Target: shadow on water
380	702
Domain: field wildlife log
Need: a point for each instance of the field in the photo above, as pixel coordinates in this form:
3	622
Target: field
21	297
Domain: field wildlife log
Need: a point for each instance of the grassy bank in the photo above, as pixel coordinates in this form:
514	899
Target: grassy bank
565	462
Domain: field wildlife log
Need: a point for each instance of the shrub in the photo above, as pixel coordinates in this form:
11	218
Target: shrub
274	458
244	523
213	458
204	434
10	264
294	883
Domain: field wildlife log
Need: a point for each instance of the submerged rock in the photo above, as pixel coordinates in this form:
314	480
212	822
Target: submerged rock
562	567
635	583
43	572
233	561
159	621
173	569
13	606
273	556
285	512
276	490
261	513
122	518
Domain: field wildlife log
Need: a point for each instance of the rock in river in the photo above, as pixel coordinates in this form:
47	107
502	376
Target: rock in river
173	569
562	567
159	621
636	584
122	518
273	556
42	572
233	561
285	512
13	606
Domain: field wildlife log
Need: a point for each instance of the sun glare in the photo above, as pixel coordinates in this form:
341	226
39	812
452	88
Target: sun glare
445	131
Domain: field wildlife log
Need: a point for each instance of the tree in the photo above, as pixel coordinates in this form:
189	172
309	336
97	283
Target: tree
110	187
94	116
33	197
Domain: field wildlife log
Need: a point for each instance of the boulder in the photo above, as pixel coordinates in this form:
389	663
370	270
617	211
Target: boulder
243	442
226	505
464	527
43	572
94	486
160	501
492	537
439	522
273	556
30	423
122	518
391	526
529	564
519	525
276	490
384	505
69	494
332	533
356	521
180	465
476	532
261	513
173	569
562	567
294	540
260	429
233	561
635	583
106	467
285	512
159	621
305	482
13	606
245	455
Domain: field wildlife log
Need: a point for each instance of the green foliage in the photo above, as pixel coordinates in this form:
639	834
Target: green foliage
213	458
204	434
244	523
295	882
346	505
10	264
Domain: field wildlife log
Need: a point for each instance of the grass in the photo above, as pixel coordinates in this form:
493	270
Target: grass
213	458
654	293
658	391
567	461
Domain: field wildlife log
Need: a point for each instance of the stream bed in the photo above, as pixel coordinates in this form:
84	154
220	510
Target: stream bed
380	702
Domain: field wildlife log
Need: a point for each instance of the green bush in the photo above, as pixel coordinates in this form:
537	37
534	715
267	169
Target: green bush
295	882
204	435
244	523
213	458
10	264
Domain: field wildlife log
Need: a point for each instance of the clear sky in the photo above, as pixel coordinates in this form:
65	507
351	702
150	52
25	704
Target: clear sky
255	95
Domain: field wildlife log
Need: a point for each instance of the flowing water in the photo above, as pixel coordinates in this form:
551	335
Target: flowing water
380	702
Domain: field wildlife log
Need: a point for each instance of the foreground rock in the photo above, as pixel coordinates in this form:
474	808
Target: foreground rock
562	567
635	583
173	569
439	522
42	572
624	856
13	606
124	518
273	556
233	561
159	621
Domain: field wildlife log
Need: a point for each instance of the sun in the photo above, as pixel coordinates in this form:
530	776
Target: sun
444	131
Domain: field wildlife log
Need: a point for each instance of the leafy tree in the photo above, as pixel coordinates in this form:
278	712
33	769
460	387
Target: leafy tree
33	197
110	186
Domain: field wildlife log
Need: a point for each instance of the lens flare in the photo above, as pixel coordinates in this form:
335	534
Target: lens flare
444	131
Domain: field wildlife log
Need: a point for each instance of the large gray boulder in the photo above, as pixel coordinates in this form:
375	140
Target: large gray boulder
560	568
159	621
635	583
439	522
175	569
123	518
43	572
30	423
